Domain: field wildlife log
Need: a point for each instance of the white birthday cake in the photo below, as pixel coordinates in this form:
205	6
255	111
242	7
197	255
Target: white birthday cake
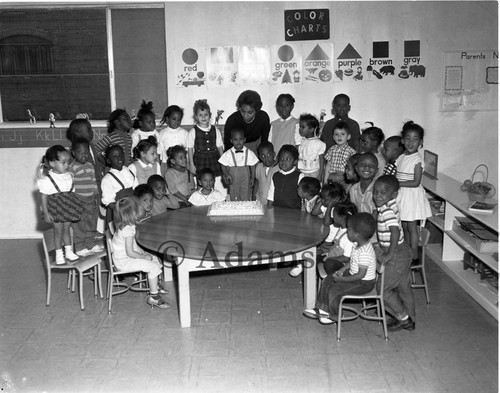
236	208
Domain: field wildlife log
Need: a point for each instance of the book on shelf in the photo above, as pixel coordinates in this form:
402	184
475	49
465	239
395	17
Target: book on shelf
482	207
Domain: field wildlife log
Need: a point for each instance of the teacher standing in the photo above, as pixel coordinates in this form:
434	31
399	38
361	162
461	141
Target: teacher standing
250	118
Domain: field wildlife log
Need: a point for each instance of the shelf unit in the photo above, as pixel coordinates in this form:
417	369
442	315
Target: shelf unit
450	254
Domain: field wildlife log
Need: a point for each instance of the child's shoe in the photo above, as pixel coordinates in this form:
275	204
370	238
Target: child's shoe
70	255
60	257
83	253
97	248
297	270
157	301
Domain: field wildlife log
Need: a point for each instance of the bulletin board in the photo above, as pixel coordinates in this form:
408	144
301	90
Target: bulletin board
470	81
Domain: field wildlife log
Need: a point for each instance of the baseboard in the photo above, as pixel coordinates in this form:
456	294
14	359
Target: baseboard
20	236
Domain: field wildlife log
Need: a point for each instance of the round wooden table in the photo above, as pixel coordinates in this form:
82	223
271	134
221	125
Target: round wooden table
200	242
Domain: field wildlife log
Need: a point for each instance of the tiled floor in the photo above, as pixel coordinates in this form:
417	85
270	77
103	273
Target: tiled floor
248	335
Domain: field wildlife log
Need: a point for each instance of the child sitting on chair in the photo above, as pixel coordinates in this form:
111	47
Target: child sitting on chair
238	167
128	256
393	252
356	278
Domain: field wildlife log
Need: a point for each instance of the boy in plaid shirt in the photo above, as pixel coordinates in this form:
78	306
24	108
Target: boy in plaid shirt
337	156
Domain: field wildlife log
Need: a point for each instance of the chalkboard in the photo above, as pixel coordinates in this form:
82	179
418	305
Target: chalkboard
39	137
32	136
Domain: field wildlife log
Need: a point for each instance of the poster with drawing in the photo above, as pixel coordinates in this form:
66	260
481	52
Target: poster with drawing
350	64
286	64
470	80
222	66
253	65
381	63
411	64
317	62
190	67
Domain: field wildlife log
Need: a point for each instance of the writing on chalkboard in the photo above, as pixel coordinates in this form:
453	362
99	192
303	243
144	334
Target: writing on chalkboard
32	137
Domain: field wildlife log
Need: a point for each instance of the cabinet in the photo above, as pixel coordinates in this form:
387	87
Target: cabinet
450	254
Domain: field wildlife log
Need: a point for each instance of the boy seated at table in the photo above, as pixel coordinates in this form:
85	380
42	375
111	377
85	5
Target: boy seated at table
206	194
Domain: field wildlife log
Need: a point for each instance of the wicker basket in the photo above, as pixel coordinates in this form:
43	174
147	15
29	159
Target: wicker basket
479	190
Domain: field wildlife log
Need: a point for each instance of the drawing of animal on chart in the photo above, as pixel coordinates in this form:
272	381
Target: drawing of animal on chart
31	117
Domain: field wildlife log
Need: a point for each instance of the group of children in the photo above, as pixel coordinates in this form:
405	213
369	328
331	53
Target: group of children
346	177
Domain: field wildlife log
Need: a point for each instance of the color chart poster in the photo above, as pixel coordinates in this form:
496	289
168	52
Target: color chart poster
350	64
190	67
253	65
286	64
317	63
411	64
381	63
222	66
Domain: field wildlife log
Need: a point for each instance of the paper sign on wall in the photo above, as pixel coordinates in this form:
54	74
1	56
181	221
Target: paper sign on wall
411	66
222	66
253	65
470	80
349	65
318	63
381	63
286	64
190	67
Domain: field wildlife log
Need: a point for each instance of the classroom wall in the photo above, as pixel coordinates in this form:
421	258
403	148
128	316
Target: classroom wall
461	139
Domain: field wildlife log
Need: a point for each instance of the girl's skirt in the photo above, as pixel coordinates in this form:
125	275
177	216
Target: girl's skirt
65	207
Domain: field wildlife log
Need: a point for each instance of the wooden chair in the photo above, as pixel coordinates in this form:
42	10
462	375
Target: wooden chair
114	274
424	240
362	312
82	265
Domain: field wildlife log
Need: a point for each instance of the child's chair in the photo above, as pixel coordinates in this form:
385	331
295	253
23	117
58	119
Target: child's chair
82	265
114	274
372	295
424	240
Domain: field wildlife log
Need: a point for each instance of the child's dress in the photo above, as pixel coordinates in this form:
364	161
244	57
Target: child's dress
284	132
381	163
62	203
413	204
143	171
309	151
178	181
239	163
170	137
124	263
264	176
138	135
205	144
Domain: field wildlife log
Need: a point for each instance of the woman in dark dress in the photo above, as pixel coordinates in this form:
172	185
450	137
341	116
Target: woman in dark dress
250	118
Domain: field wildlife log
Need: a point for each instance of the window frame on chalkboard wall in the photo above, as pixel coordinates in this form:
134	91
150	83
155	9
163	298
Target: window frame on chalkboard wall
25	55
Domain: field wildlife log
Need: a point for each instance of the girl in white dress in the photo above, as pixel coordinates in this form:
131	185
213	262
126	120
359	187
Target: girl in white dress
414	205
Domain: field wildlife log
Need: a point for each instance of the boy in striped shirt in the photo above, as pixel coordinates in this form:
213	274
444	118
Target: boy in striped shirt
85	230
393	252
